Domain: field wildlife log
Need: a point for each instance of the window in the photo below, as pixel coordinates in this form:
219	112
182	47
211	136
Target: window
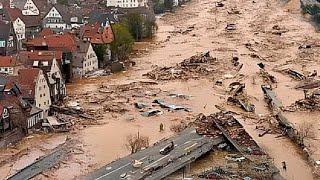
44	103
39	105
40	95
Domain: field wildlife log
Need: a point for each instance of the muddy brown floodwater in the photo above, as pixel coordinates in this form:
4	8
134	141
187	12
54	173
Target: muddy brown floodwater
254	25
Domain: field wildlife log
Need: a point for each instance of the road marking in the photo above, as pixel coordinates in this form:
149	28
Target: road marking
156	161
118	169
189	147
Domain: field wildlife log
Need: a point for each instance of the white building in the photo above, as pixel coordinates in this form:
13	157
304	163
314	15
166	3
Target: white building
19	29
85	60
42	94
127	3
48	63
30	9
35	88
54	20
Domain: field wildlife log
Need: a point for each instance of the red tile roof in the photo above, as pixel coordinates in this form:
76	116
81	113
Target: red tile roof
46	32
14	13
7	61
41	55
65	42
97	34
27	80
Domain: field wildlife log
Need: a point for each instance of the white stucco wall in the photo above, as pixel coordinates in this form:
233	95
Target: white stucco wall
90	61
42	94
54	13
30	9
20	29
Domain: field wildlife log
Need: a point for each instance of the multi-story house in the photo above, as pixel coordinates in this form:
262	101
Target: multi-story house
85	60
35	89
54	20
50	63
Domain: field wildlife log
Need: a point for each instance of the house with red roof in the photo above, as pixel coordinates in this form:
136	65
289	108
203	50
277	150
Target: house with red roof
15	16
9	65
56	42
29	24
22	115
50	63
35	89
98	35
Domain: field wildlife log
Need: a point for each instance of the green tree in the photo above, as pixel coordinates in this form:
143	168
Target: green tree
150	28
134	23
158	7
168	4
139	26
100	51
121	47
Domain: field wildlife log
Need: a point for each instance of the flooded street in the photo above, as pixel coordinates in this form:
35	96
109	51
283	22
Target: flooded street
112	98
254	25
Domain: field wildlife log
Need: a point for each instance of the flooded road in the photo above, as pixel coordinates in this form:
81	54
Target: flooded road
254	25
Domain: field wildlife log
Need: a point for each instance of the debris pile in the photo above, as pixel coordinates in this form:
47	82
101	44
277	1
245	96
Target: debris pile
267	77
195	66
224	122
311	102
242	170
239	98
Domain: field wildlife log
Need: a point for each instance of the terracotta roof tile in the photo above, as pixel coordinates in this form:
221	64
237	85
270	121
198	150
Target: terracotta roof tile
97	34
65	42
27	81
7	61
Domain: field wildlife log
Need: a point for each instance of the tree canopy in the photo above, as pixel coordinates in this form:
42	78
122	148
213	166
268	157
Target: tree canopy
121	47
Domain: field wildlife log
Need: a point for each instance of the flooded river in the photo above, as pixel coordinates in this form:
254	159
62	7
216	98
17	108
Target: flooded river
254	21
106	142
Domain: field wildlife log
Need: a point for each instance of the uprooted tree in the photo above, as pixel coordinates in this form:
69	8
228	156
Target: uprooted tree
136	142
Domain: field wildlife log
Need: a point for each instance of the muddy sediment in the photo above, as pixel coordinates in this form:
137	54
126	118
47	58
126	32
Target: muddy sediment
268	32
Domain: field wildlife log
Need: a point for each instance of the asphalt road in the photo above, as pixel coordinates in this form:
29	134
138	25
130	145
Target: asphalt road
41	164
188	146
